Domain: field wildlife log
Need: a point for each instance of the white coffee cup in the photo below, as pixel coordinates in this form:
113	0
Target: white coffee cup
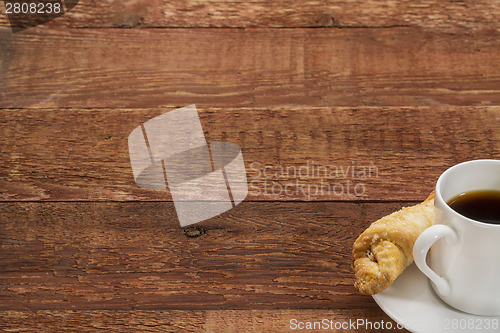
464	266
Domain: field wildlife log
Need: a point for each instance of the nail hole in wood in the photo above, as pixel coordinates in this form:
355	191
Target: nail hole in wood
194	231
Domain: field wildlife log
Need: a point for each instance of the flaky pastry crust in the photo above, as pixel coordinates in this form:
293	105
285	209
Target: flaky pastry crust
384	250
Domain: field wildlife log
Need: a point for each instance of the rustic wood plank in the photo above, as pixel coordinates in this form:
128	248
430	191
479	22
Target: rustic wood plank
124	256
98	321
250	67
449	15
229	321
291	153
5	42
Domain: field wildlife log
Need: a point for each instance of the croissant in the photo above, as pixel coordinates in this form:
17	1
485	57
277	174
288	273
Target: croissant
384	250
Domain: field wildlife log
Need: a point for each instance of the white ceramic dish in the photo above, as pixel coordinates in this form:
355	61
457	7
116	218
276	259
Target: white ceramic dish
411	302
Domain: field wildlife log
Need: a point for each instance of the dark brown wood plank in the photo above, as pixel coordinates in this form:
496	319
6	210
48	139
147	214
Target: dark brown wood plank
5	39
229	321
306	153
134	256
99	321
250	67
449	15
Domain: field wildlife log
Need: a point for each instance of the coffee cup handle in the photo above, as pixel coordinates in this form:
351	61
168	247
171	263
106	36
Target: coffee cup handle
422	246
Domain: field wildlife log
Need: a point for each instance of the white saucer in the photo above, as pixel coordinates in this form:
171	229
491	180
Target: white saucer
411	302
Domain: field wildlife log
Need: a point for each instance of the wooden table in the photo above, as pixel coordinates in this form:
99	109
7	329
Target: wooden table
401	89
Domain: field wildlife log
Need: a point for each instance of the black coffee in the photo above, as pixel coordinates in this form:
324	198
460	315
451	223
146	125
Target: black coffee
483	206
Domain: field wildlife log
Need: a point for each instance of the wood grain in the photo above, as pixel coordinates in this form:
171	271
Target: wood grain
408	88
435	14
229	321
134	256
249	67
290	153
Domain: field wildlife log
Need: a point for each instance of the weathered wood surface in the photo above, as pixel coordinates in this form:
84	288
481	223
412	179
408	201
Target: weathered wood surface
63	67
124	256
419	82
225	321
290	153
435	14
